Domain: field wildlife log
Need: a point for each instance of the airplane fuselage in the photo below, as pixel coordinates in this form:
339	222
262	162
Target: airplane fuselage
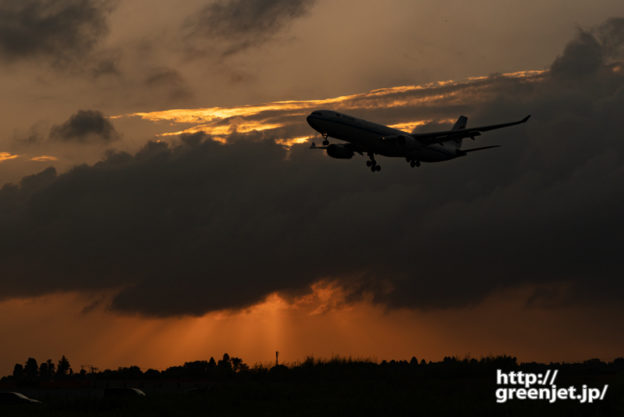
367	136
372	139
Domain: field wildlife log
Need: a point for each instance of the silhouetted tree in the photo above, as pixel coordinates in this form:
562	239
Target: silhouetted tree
130	372
44	373
51	367
63	368
196	368
225	363
31	369
18	371
238	365
211	363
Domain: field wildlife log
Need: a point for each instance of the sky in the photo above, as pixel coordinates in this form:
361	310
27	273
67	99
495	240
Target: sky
159	202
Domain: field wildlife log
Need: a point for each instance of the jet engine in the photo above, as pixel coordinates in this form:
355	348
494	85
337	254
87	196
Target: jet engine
340	151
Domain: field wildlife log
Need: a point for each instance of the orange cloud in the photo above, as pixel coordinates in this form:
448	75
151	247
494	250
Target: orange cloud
44	158
288	142
219	122
6	156
243	127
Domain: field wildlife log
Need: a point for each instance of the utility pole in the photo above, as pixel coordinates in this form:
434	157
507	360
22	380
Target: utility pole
276	358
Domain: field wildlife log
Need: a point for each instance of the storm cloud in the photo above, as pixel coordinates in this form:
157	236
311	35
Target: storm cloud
85	126
243	23
61	32
202	226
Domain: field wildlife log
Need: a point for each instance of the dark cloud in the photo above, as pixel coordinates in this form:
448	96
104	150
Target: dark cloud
611	36
582	57
591	50
241	24
35	135
169	84
106	67
203	226
85	126
62	31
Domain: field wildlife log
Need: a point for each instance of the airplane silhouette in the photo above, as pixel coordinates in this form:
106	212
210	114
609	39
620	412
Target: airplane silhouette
372	138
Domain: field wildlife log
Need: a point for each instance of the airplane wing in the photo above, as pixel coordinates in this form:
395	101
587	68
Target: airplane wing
482	148
471	132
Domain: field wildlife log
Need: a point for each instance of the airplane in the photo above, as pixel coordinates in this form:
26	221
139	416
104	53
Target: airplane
372	138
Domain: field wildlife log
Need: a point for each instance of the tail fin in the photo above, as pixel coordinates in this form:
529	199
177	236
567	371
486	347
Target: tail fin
459	125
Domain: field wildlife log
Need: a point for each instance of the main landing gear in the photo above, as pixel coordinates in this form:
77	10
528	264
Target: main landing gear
372	164
325	140
413	162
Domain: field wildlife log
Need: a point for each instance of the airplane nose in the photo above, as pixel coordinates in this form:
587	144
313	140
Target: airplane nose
311	121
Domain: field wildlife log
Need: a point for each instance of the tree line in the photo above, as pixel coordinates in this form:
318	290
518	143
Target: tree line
32	372
47	370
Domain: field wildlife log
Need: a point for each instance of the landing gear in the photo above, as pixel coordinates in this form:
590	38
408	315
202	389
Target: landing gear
325	141
414	163
372	164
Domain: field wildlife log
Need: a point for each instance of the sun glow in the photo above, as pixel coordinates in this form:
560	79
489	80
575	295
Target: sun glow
44	158
323	322
243	127
283	118
6	156
409	126
289	142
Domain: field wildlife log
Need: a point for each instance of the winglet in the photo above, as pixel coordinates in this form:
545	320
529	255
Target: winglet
526	118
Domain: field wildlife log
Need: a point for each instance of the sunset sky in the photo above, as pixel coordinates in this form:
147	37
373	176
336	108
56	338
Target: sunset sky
159	203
